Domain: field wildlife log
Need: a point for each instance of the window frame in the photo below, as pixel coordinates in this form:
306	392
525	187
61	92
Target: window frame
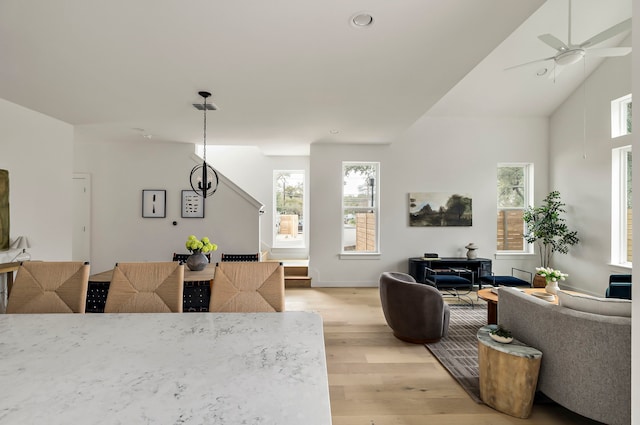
619	115
619	202
299	242
527	201
376	209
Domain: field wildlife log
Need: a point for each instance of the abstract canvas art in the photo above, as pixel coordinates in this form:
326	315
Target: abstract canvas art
439	209
154	203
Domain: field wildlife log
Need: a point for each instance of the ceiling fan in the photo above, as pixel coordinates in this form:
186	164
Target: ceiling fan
569	53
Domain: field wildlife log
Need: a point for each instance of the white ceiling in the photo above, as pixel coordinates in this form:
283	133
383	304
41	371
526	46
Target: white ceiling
284	73
490	90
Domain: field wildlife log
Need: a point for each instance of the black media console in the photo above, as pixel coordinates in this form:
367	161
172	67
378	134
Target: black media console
478	266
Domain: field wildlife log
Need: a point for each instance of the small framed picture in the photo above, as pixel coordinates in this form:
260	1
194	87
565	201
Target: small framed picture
192	205
154	203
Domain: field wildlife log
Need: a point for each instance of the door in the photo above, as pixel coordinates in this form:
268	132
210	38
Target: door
81	249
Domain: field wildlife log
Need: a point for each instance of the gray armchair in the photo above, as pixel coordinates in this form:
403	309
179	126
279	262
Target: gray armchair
415	312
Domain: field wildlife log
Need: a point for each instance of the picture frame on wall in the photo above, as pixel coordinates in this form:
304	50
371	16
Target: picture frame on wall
435	209
154	203
192	205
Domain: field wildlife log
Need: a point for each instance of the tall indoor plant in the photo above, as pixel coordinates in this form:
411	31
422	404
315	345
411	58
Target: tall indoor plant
546	227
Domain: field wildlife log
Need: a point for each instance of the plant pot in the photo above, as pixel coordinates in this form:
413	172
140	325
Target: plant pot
539	281
197	262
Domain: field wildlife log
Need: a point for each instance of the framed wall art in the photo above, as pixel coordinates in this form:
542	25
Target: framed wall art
439	209
154	203
192	205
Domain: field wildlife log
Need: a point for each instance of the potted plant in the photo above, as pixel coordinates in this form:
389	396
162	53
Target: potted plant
197	260
546	227
501	334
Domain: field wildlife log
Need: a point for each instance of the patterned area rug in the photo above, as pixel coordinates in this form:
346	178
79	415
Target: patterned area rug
458	351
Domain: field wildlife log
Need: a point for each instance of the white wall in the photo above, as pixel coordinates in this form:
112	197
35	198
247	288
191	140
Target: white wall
119	173
585	182
455	154
248	167
38	152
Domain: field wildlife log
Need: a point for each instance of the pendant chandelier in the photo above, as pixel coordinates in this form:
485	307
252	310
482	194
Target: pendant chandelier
203	178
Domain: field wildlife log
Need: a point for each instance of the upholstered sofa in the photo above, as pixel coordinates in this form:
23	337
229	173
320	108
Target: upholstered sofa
586	357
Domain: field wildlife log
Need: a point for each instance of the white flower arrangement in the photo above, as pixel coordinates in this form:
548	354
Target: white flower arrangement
551	275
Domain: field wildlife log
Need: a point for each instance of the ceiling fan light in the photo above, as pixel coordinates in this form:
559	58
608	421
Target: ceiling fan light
569	57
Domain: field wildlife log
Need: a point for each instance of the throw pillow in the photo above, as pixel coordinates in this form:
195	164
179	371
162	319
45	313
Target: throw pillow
589	304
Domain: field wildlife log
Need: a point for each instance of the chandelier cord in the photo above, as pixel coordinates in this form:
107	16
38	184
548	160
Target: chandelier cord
204	138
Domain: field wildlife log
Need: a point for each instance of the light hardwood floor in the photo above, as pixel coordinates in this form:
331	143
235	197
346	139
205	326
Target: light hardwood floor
376	379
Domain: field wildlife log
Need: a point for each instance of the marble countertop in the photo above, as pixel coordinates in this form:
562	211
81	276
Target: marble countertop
180	368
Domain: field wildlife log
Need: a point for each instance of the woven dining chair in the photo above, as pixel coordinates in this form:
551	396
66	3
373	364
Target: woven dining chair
248	287
146	288
49	287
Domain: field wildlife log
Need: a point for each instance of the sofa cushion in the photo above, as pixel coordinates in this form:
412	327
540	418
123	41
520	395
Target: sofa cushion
589	304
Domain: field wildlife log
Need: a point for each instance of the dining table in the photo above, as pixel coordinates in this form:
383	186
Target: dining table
189	275
164	368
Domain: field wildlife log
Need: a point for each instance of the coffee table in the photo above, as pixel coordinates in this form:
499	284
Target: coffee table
492	301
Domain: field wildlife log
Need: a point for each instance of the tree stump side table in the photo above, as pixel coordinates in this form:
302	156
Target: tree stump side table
508	374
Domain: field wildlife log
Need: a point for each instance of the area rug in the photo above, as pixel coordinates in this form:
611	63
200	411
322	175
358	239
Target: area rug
458	351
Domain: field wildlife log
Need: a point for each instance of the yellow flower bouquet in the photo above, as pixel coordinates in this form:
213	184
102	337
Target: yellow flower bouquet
203	245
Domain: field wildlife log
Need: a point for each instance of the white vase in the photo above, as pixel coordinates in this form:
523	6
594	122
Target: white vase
552	287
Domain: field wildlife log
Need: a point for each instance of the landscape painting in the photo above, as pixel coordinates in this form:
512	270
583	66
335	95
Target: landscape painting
439	209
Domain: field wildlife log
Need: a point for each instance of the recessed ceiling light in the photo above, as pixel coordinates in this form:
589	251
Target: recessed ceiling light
362	20
541	72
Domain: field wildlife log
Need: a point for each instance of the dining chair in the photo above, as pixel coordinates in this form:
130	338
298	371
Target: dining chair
146	288
49	287
240	257
248	287
183	257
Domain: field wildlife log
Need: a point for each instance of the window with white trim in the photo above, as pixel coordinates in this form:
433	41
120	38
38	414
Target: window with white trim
360	207
621	207
514	194
288	205
621	114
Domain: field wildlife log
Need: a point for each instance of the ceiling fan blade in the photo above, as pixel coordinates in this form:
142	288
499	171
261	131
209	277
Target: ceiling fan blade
608	33
609	52
529	63
553	41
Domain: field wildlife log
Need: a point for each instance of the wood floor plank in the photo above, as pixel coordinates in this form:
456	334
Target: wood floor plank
376	379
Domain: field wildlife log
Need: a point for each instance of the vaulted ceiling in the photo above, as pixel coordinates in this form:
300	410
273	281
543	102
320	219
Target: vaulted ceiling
284	73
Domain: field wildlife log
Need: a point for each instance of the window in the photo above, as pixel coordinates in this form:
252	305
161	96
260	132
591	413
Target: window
621	203
360	210
515	189
288	193
621	116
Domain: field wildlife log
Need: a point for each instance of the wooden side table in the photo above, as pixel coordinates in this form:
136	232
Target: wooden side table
508	374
